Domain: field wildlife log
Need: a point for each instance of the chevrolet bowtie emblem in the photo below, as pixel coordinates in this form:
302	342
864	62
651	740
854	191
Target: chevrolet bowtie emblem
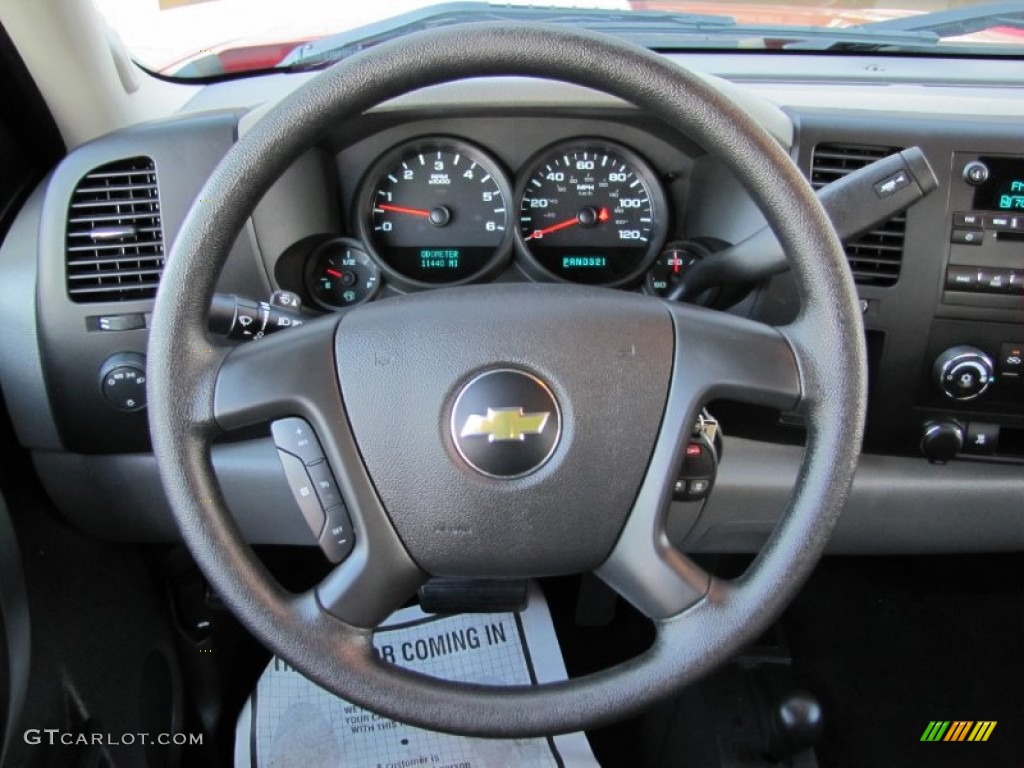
505	424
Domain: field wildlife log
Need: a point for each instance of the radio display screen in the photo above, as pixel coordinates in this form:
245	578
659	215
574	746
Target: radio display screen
1004	189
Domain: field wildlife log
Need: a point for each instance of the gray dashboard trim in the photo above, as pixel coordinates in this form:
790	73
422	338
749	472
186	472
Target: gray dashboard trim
21	364
897	505
522	92
120	497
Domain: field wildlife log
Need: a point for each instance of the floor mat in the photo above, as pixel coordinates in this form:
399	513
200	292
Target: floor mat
890	645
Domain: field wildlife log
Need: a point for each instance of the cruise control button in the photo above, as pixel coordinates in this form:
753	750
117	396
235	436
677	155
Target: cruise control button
338	537
1011	359
303	491
324	484
981	438
296	436
967	236
959	278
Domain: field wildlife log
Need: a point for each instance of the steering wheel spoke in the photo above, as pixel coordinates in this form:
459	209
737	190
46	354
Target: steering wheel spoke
293	374
287	374
370	585
716	356
725	357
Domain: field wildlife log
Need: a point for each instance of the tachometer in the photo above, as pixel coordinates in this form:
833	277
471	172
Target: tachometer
591	212
435	211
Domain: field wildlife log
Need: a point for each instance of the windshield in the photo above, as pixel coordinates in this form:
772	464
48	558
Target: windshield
218	38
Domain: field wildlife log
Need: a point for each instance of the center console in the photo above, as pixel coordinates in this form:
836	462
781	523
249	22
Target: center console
973	392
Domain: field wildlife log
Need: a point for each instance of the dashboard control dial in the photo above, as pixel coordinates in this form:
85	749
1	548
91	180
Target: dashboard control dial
340	273
942	440
964	373
591	212
123	381
976	173
435	212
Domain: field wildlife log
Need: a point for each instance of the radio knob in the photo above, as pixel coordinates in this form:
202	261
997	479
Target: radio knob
963	373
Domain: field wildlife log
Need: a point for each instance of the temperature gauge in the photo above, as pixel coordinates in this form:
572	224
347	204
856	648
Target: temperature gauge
341	273
672	264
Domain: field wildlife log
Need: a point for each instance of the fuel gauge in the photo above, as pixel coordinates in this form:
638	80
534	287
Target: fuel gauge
340	274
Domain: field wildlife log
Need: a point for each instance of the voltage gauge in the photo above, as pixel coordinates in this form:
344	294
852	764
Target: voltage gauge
340	273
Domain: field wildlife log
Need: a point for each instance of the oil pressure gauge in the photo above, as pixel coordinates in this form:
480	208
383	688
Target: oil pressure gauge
340	273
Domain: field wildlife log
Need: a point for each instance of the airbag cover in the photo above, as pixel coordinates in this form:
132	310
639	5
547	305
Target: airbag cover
606	358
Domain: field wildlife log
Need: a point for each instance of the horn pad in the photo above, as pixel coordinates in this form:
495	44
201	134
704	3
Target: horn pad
507	429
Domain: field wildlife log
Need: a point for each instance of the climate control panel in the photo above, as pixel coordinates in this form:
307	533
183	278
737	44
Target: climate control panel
964	372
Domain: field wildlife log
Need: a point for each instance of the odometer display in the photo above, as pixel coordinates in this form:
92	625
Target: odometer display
591	213
435	212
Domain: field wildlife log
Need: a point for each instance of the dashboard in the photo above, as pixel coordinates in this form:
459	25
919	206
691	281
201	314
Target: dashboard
535	181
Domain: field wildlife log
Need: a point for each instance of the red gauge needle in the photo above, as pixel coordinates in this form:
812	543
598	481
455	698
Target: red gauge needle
554	228
675	266
588	218
333	273
400	209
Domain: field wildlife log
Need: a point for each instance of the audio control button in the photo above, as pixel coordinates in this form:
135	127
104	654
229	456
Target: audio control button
975	172
968	219
967	236
295	436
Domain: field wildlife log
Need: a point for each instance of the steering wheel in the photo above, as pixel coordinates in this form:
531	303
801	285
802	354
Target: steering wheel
624	376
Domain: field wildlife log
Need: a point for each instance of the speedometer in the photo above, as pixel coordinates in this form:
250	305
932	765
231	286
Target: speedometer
591	212
435	211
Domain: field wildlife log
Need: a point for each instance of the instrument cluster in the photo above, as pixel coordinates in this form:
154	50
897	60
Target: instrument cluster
441	211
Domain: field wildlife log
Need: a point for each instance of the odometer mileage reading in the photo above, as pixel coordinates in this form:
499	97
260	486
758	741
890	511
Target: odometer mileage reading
591	213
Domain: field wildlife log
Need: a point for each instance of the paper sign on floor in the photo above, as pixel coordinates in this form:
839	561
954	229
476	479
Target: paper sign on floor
290	722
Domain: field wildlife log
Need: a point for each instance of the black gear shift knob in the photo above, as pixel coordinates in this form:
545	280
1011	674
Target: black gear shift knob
797	724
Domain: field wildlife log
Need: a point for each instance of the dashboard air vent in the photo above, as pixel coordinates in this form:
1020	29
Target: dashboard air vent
115	243
875	257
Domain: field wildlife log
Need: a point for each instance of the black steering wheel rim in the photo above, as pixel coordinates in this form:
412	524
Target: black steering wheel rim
185	365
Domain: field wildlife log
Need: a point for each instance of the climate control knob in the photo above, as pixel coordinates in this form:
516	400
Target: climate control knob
942	440
963	373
